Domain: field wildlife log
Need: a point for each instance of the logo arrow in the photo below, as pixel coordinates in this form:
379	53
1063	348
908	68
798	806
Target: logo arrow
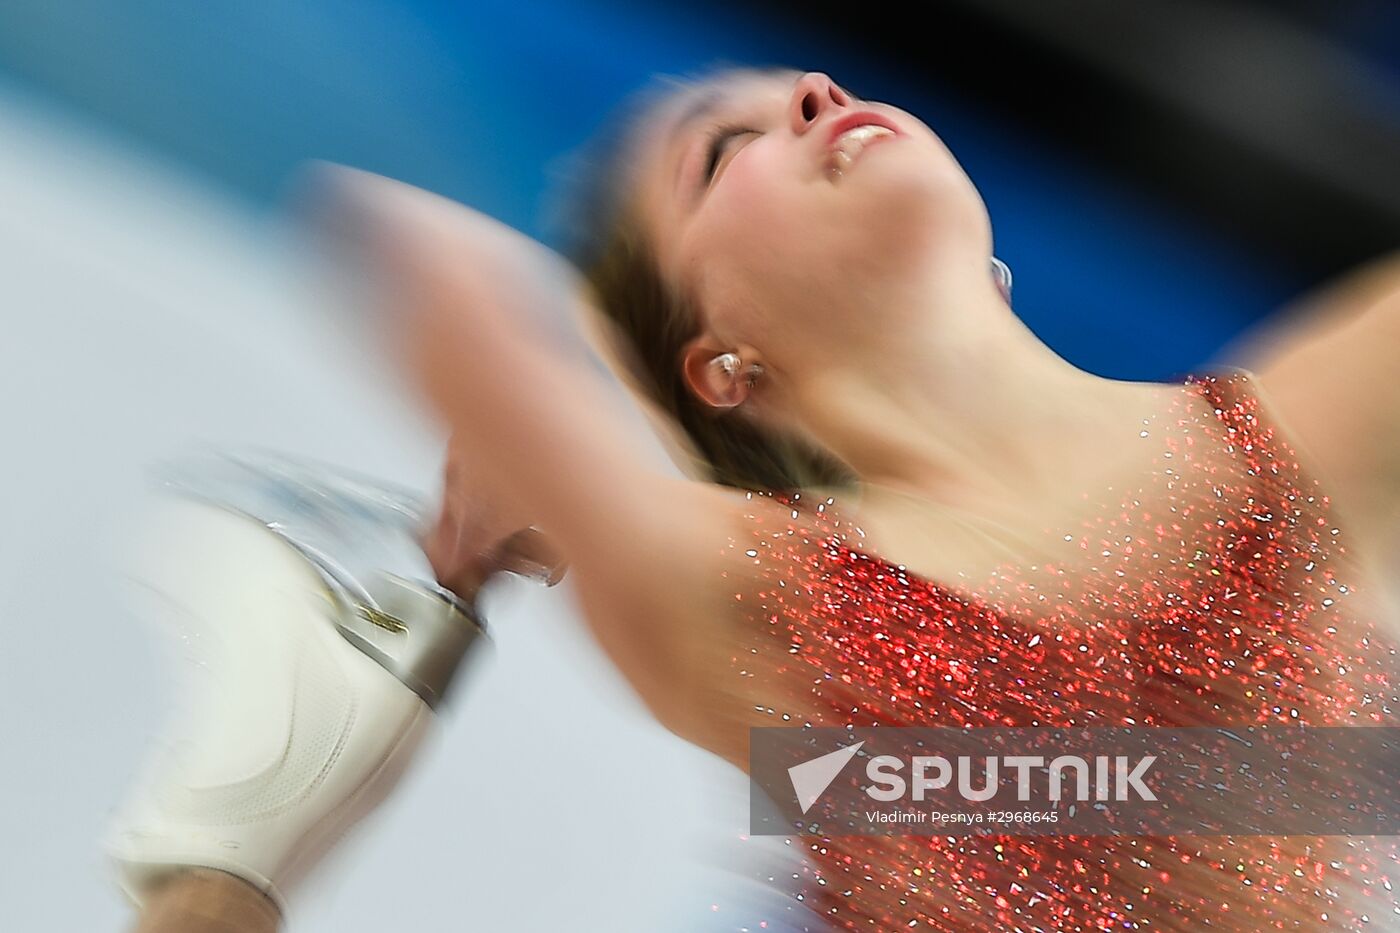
811	778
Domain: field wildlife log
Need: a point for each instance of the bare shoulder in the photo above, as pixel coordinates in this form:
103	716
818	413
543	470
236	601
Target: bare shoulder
1335	346
1327	371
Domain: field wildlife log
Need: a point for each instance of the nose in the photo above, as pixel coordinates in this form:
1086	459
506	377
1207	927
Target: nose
813	95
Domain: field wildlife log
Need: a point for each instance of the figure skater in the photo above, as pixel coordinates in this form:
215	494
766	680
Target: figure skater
905	509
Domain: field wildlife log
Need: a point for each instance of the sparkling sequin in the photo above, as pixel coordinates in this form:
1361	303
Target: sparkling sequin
1218	591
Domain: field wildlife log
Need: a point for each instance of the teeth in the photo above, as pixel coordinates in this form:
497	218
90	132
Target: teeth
849	144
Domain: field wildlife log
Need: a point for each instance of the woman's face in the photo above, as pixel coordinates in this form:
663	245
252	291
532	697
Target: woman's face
790	211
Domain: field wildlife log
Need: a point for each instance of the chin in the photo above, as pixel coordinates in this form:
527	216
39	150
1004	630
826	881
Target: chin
913	214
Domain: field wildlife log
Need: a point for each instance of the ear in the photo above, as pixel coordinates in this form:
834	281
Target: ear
708	381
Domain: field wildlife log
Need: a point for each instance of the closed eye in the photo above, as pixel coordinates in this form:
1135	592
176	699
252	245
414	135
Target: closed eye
718	146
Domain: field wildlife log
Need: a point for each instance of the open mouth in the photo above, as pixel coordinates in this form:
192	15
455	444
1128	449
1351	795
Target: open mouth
851	136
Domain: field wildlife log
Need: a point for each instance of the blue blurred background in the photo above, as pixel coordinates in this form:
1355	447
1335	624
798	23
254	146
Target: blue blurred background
1159	175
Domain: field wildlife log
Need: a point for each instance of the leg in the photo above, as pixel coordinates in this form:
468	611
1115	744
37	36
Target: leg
202	900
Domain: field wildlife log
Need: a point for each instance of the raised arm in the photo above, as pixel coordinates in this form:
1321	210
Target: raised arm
482	315
1331	368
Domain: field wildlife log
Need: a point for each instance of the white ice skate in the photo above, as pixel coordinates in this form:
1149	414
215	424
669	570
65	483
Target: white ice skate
320	646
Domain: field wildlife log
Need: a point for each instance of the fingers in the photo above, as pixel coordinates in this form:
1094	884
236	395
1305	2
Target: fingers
528	552
472	540
463	569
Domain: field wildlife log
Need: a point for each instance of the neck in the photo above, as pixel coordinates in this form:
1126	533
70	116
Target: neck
977	417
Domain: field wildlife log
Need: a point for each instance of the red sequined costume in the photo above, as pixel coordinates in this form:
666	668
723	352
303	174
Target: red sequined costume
1216	592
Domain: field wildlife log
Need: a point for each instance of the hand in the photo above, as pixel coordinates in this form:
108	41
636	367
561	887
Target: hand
476	536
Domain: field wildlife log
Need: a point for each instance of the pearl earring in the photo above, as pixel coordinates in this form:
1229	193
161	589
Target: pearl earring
1002	273
728	364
